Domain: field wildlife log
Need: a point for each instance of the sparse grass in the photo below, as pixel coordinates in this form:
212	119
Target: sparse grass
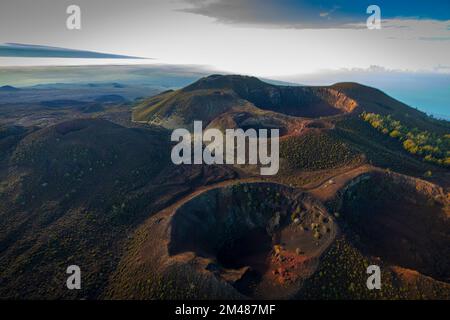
379	149
342	275
316	151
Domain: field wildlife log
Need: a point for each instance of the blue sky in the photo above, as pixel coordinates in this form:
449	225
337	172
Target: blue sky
259	37
315	14
428	9
282	39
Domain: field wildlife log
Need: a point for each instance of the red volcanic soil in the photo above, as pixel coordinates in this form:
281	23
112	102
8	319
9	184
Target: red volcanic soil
241	239
299	126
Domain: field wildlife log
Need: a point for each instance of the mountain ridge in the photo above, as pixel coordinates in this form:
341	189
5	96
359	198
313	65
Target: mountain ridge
292	101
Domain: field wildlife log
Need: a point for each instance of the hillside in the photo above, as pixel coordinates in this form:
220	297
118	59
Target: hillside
97	190
215	95
233	92
9	89
375	101
73	193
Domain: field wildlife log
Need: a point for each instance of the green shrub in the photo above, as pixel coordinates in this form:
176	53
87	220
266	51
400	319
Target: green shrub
428	145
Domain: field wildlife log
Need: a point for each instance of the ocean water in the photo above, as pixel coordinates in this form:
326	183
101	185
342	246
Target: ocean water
434	99
426	91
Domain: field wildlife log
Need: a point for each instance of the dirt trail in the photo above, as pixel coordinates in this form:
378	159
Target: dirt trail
278	274
323	190
326	189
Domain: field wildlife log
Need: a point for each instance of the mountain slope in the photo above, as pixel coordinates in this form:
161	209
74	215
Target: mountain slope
72	194
228	92
108	198
375	101
214	95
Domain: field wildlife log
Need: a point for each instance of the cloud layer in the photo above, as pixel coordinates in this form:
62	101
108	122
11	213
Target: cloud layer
313	14
37	51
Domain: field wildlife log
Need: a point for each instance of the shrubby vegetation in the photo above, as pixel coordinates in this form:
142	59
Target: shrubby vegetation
379	149
341	274
428	145
316	151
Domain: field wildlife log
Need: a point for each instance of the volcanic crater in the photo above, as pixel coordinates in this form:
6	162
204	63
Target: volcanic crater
262	238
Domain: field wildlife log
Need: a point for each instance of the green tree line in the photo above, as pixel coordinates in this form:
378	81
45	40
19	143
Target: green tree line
427	145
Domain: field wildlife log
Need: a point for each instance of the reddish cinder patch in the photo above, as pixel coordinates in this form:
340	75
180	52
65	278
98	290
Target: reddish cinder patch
287	267
406	274
297	127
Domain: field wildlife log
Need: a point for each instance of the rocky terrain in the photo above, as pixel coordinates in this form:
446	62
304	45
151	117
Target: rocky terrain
97	189
253	239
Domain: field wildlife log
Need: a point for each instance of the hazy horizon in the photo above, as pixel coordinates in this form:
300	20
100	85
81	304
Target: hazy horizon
303	42
428	92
